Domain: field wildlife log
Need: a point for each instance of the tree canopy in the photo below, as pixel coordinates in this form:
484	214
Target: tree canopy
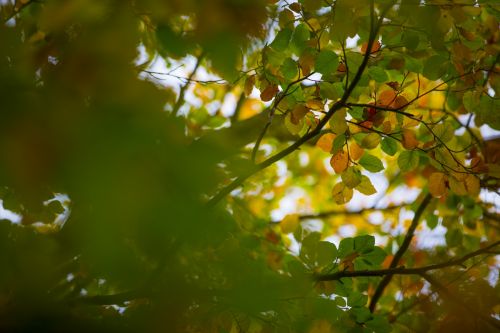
249	166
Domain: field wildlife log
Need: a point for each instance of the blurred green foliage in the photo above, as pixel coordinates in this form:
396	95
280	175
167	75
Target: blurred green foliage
111	188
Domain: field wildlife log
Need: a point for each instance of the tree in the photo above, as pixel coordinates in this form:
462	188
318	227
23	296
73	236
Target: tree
317	166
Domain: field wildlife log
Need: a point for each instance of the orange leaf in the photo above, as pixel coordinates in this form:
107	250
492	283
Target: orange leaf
339	161
325	143
387	97
355	151
375	47
409	139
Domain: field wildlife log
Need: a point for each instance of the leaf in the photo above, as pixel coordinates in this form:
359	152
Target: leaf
365	186
269	92
355	151
444	132
339	161
249	84
282	39
378	74
326	62
325	142
364	244
437	184
338	143
389	146
351	177
375	47
289	69
371	163
435	67
409	140
293	128
326	253
408	160
338	123
472	185
298	113
346	247
289	223
341	193
370	141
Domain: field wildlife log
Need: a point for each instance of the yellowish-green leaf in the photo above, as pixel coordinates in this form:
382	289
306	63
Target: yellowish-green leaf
290	223
365	186
341	193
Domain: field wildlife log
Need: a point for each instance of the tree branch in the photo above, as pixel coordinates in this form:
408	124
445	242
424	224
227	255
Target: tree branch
406	271
334	212
401	251
184	88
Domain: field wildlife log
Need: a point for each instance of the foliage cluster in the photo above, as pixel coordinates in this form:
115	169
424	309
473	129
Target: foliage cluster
290	180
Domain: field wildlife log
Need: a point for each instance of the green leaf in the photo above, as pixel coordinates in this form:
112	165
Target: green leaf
326	62
357	299
435	67
371	163
375	257
289	69
346	247
389	146
282	39
326	253
408	160
338	143
364	244
300	37
378	74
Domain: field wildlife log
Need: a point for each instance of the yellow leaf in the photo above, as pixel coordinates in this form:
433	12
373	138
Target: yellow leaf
339	162
290	223
291	126
315	104
409	139
437	184
457	186
325	143
341	194
355	151
472	185
250	108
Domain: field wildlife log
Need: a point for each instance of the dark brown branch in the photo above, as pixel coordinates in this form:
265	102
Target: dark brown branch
329	213
401	251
